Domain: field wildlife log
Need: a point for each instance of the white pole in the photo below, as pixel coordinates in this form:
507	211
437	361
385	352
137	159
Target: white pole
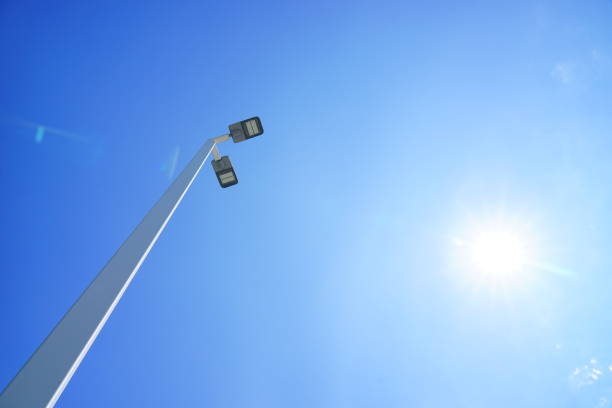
44	376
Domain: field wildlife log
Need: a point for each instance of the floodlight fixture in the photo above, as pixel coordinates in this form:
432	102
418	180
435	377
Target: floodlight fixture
224	171
246	129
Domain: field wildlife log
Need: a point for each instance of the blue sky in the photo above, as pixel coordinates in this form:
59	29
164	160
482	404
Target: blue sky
331	275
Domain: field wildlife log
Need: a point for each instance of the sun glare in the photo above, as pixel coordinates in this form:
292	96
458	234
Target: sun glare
498	252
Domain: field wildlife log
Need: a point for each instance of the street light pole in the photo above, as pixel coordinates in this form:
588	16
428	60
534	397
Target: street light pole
44	376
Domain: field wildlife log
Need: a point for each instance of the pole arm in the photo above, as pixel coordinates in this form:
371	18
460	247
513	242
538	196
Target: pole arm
218	140
44	376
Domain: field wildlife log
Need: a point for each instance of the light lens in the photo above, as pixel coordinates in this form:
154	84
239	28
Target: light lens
228	177
252	127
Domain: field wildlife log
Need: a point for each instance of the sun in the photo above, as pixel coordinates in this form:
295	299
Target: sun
498	252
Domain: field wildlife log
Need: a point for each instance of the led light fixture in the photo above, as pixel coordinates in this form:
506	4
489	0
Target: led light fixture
246	129
225	172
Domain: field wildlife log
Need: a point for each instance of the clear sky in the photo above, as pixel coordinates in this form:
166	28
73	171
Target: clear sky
354	265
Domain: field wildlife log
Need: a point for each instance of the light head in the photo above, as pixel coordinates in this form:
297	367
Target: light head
246	129
225	172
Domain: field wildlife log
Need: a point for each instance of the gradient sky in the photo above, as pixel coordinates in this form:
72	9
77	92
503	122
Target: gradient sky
330	276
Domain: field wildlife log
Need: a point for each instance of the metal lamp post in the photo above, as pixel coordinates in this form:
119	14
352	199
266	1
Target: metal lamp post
44	376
